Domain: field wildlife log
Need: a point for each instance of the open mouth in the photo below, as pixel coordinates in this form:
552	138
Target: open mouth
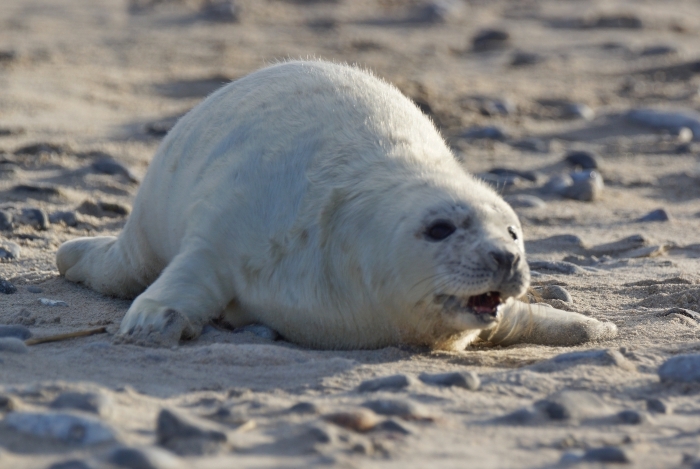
485	305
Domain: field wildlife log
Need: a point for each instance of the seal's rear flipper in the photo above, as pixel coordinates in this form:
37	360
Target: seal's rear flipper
544	325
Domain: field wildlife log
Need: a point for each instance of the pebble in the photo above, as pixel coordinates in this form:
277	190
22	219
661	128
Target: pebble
67	427
632	417
143	458
499	181
387	383
525	201
586	187
521	59
113	168
304	408
583	159
554	292
5	220
533	144
496	107
69	218
624	21
18	332
8	403
86	401
681	369
527	175
9	250
161	127
435	12
187	436
13	345
34	289
71	464
572	405
48	302
40	191
577	111
34	217
392	426
598	357
558	183
658	50
658	406
41	148
663	120
260	331
609	454
225	11
629	243
518	417
462	379
396	407
5	286
489	132
655	215
101	209
359	420
561	267
490	39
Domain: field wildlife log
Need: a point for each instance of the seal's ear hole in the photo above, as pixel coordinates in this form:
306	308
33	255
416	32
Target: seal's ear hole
513	233
439	230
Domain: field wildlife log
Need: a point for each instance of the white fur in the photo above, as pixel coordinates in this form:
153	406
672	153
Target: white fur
297	197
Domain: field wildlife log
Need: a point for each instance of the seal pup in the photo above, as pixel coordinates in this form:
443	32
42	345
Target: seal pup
317	200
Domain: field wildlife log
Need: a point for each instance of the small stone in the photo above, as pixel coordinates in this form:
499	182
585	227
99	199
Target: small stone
225	11
69	428
681	369
7	56
69	218
261	331
521	59
658	50
6	219
583	159
39	191
631	417
525	201
161	127
34	217
554	292
18	332
6	287
572	405
304	408
655	215
113	168
466	379
87	402
489	132
143	458
41	148
103	209
684	136
34	289
557	184
52	303
616	247
609	454
387	383
658	406
186	435
396	407
663	120
490	39
13	344
527	175
360	420
518	417
533	144
624	21
577	111
436	12
587	186
392	426
9	251
71	464
8	403
561	267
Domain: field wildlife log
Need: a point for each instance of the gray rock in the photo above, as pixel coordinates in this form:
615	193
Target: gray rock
490	39
219	11
29	190
557	184
34	289
623	21
34	217
102	209
577	111
583	159
658	406
9	251
186	435
66	427
392	426
489	132
13	344
623	245
52	303
465	379
500	181
143	458
525	201
554	292
112	167
304	408
561	267
587	186
71	464
632	417
518	417
387	383
396	407
260	331
533	144
655	215
681	369
8	403
609	454
658	50
496	107
161	127
526	175
35	149
521	59
18	332
6	287
663	120
572	405
69	218
6	219
86	401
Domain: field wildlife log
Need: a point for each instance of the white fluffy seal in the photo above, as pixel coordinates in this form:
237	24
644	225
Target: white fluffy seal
317	200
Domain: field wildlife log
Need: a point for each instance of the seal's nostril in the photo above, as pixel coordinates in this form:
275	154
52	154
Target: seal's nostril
505	259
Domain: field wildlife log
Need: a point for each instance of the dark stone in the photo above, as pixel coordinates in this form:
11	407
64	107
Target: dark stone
6	287
521	59
610	454
631	417
8	403
161	127
304	408
583	159
658	406
681	369
143	458
490	132
47	191
19	332
41	148
615	21
533	144
655	215
225	11
571	405
556	266
35	218
658	50
5	221
490	39
387	383
113	168
392	426
518	417
71	464
528	175
69	218
467	379
87	402
396	407
187	436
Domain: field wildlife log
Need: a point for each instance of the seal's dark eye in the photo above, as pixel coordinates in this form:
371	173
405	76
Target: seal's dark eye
513	233
440	230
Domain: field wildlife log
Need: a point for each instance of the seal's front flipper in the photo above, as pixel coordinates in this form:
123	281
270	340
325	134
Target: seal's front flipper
544	325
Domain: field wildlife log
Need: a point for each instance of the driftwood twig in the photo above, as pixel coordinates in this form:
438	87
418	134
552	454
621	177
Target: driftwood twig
69	335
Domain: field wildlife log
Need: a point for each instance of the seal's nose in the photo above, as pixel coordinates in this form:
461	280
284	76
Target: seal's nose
504	260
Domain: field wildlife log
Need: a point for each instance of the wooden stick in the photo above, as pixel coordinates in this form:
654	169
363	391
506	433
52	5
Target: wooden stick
69	335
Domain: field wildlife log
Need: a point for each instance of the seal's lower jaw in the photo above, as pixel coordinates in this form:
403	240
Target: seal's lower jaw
475	311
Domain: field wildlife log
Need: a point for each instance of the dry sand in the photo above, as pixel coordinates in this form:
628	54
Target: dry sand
91	75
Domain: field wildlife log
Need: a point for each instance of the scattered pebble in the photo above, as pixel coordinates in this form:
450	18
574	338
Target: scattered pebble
187	436
681	369
435	12
41	148
221	11
88	402
71	464
572	405
521	59
658	406
664	120
490	39
489	132
655	215
387	383
577	111
583	159
518	417
34	289
13	344
101	209
392	426
465	379
587	186
112	167
6	219
396	407
48	302
161	127
18	332
658	50
525	201
359	420
304	408
67	427
533	144
143	458
9	250
609	454
69	218
598	357
5	286
554	292
616	247
632	417
39	191
561	267
624	21
8	403
527	175
34	217
558	183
